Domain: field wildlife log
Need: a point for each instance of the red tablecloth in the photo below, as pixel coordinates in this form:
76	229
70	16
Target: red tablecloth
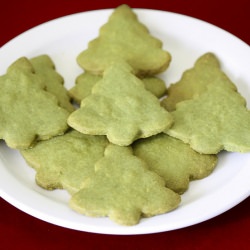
227	231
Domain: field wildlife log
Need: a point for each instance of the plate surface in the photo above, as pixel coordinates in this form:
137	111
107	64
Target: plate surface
186	39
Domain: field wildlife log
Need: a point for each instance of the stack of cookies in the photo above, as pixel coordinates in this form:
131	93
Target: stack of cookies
129	146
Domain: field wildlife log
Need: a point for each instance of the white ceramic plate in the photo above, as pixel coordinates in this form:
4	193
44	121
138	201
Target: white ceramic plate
186	38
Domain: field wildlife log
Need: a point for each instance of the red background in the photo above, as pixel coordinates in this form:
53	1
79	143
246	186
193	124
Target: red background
226	231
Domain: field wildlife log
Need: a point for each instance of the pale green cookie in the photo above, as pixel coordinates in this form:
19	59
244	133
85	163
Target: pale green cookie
121	108
124	37
83	87
86	81
155	85
194	81
124	189
215	120
174	160
28	113
45	68
65	161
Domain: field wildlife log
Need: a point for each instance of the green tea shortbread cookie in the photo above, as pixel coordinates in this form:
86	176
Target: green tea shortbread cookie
86	81
124	189
124	37
155	85
65	161
215	120
28	113
83	86
174	160
194	81
45	68
121	108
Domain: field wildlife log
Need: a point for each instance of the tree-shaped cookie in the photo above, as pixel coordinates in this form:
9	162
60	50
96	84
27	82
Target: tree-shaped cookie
124	37
215	120
155	85
121	108
28	113
194	81
86	81
65	161
83	86
174	160
123	189
45	68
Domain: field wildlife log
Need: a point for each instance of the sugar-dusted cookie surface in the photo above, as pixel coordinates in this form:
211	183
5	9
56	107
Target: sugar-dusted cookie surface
215	120
121	108
174	160
124	37
86	81
45	68
65	161
28	113
123	189
194	81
